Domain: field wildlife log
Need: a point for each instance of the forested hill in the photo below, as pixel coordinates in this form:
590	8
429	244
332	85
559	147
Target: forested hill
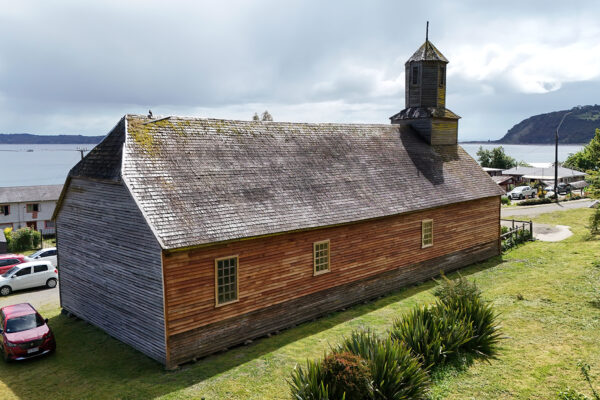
578	127
27	138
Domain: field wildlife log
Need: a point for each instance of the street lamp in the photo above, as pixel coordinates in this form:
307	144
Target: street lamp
556	156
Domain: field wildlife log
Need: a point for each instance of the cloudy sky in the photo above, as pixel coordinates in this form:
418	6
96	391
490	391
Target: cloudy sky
75	67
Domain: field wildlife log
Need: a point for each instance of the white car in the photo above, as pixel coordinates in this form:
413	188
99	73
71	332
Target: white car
521	192
28	275
47	254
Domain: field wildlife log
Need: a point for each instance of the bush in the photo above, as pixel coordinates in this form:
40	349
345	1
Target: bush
432	334
481	318
521	236
338	376
505	200
595	222
396	373
532	202
308	384
347	376
8	236
460	321
571	394
448	289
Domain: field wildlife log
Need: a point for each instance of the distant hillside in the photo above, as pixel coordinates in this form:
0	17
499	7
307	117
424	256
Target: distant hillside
26	138
578	127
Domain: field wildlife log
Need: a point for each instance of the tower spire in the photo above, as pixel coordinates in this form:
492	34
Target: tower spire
427	32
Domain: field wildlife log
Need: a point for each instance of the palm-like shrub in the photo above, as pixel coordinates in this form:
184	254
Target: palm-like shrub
482	321
453	288
432	333
308	383
396	373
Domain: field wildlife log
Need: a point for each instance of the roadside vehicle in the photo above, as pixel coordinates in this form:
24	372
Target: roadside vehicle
7	261
47	254
24	333
28	275
521	192
563	188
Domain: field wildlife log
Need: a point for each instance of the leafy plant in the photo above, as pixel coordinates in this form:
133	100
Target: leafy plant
505	200
448	289
495	158
571	394
595	222
533	202
23	239
308	383
396	372
432	334
347	376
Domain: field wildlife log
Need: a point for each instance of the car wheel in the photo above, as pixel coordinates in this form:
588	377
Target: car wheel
50	283
5	290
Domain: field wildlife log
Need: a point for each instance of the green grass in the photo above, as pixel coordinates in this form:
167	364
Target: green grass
554	326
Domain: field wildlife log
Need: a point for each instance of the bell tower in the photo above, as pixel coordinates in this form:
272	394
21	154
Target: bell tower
425	96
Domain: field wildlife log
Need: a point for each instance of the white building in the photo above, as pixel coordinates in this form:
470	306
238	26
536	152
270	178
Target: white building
30	206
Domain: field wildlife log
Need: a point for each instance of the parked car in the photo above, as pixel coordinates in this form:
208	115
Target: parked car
7	261
521	192
563	188
47	254
25	334
28	275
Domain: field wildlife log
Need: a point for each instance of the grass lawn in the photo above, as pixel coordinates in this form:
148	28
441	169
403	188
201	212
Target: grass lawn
555	325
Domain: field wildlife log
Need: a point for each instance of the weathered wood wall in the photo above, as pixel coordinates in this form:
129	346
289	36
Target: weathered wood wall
110	265
276	273
444	131
412	92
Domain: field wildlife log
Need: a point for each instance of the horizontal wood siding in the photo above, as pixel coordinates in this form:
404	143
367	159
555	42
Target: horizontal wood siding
278	269
444	131
221	335
110	265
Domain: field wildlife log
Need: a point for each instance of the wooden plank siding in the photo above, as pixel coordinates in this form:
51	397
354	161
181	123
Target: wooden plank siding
444	131
274	272
110	265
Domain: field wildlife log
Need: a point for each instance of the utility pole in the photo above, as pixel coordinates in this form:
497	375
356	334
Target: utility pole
556	156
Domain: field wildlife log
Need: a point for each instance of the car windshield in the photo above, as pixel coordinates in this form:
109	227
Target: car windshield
24	323
37	253
9	272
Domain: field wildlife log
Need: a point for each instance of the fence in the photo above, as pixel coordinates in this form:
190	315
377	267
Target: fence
519	232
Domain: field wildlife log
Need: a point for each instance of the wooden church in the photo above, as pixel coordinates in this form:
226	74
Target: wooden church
184	236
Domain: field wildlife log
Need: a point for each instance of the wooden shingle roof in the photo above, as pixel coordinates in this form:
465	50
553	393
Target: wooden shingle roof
427	52
200	181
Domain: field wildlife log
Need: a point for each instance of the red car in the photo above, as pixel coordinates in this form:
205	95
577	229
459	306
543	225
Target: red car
25	334
7	261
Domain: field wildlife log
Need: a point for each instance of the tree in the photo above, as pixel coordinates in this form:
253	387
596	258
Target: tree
588	159
255	117
495	158
266	116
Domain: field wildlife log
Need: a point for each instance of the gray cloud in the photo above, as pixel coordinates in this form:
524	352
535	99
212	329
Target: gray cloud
76	67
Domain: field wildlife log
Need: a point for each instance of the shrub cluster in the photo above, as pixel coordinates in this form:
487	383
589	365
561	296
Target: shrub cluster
505	200
521	236
22	239
533	202
366	366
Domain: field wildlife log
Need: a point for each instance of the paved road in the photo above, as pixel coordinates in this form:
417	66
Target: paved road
533	211
39	298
